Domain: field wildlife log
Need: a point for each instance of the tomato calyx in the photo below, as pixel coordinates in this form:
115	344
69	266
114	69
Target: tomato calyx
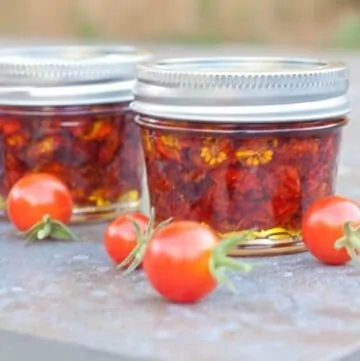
133	260
220	262
48	228
350	241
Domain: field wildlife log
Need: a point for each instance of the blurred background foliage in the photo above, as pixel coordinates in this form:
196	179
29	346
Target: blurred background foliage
315	23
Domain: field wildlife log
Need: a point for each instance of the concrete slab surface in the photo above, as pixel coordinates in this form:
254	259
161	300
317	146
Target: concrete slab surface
14	346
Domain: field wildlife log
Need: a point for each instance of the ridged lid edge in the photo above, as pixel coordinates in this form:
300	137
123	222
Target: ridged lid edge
66	64
175	73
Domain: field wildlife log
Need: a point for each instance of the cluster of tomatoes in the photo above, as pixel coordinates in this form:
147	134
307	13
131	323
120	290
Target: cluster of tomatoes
183	260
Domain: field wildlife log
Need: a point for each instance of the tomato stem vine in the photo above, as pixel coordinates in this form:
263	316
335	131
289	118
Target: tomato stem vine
350	241
48	228
220	262
133	260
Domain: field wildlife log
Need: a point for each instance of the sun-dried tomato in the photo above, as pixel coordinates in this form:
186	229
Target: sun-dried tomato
17	141
109	149
101	127
235	180
9	125
96	151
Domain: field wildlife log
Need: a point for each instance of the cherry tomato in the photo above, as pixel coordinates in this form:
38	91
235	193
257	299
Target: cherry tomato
323	226
36	196
184	261
121	237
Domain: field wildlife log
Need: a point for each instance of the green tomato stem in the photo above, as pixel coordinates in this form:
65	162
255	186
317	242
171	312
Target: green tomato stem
133	260
220	262
48	228
350	241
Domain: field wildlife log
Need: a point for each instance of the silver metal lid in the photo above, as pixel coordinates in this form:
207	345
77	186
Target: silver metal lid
245	89
68	74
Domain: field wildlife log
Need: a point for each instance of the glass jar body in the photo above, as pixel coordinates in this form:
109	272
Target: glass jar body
243	176
95	150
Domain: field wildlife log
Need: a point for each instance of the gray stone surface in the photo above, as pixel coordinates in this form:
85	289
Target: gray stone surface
14	346
291	308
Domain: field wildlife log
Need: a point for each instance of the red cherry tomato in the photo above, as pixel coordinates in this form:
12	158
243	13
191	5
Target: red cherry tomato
185	260
323	226
35	196
120	236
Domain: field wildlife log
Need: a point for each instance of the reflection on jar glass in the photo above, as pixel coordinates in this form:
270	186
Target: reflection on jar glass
243	171
83	134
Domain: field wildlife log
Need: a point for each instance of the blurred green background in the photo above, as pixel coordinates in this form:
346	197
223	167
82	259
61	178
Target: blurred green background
315	23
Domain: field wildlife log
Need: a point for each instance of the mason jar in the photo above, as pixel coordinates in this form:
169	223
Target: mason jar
242	143
64	110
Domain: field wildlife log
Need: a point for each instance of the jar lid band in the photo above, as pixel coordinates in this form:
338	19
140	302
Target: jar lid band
26	70
242	88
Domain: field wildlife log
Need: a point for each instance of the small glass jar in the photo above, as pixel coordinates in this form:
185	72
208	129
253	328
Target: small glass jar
242	143
64	110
